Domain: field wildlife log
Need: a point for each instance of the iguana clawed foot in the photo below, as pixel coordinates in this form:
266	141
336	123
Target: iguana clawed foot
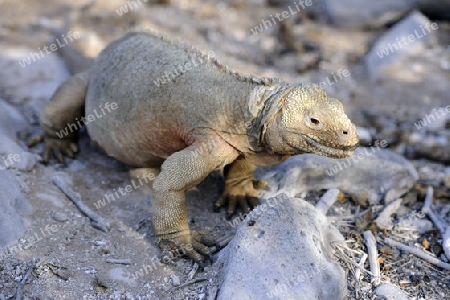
191	243
242	192
59	147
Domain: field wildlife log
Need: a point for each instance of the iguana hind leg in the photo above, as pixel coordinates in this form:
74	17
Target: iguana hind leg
61	118
241	188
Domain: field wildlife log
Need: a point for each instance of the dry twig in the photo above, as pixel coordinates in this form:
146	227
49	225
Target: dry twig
384	220
97	221
419	253
373	256
327	200
443	227
118	261
193	271
188	283
358	272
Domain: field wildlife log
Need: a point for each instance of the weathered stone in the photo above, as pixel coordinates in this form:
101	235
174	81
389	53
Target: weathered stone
13	206
390	291
282	250
411	36
357	13
369	173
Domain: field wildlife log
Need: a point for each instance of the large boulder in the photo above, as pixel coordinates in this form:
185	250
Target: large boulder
368	175
393	50
283	250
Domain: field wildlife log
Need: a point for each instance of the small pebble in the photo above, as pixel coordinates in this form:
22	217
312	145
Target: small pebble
60	217
175	280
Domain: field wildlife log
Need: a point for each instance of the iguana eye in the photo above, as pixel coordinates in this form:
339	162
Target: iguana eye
315	121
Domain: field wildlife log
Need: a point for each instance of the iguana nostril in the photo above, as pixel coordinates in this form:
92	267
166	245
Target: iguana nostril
345	132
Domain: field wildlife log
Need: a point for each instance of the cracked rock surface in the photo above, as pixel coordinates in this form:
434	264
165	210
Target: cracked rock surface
282	250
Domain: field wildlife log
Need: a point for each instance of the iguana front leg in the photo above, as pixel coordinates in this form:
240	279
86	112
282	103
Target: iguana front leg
241	188
180	172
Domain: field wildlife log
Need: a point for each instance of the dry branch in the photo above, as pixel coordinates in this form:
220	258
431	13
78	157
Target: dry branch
97	221
419	253
443	227
373	256
327	200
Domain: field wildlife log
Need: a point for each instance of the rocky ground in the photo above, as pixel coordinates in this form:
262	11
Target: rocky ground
388	63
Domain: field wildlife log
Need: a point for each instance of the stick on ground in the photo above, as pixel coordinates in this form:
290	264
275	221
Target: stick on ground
358	272
22	282
327	200
97	221
118	261
427	210
373	256
419	253
188	283
443	227
384	219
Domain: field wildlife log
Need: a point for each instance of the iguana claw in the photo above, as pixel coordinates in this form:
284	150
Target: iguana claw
193	244
242	192
59	147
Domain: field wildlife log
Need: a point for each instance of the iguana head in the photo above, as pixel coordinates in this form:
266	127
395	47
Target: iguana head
303	119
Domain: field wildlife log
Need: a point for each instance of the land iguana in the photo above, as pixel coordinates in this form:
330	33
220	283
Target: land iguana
206	118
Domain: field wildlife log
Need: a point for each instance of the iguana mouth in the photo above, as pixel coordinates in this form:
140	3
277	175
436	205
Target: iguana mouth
330	151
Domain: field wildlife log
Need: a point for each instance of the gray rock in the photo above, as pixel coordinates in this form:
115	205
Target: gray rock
11	121
433	146
390	291
35	81
282	250
367	175
175	280
411	36
365	135
60	217
355	13
13	206
12	203
12	154
366	13
420	226
26	161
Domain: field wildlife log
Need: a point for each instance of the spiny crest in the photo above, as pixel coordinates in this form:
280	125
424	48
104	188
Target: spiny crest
308	92
221	67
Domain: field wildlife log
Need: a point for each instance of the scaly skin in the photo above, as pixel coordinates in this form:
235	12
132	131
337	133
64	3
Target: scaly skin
205	118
